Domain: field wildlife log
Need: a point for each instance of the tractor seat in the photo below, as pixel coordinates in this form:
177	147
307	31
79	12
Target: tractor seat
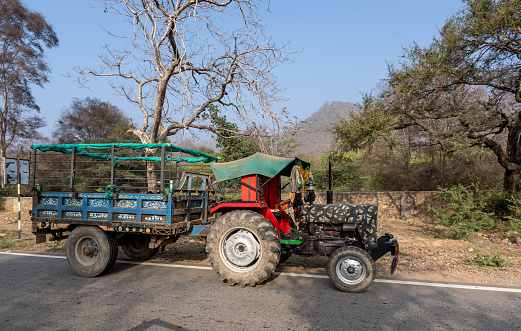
337	213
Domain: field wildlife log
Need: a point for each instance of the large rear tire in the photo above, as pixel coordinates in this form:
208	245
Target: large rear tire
243	248
137	249
351	269
91	251
284	256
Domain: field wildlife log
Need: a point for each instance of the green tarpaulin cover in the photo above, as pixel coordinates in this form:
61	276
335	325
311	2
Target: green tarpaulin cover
258	163
81	151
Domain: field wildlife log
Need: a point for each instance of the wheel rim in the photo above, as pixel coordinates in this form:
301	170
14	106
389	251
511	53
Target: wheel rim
240	249
351	270
87	251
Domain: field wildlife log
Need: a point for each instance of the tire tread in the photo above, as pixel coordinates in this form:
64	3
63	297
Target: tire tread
266	232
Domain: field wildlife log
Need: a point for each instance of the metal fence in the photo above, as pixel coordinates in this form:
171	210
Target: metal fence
53	171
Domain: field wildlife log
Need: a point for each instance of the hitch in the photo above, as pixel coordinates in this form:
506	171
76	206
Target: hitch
390	245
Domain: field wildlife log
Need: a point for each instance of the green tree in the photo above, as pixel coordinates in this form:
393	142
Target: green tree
345	173
120	134
463	90
232	145
90	121
24	35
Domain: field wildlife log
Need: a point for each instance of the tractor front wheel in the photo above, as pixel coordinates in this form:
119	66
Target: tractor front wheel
351	269
243	248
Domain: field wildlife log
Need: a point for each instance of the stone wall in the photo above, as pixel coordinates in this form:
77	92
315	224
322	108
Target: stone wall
398	204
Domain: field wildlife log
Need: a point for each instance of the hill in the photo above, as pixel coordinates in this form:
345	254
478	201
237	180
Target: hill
314	137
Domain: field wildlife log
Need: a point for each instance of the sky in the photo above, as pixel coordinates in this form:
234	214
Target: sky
341	47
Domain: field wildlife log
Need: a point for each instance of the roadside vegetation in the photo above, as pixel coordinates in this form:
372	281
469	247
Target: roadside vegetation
486	260
463	210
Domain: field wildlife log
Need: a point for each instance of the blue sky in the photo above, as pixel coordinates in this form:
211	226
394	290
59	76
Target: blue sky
342	47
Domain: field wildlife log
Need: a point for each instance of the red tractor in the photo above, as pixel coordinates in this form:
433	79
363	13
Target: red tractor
259	230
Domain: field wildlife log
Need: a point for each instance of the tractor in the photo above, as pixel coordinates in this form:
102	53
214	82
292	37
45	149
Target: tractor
260	227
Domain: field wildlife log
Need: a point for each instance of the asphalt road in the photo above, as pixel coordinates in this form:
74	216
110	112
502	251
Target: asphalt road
42	293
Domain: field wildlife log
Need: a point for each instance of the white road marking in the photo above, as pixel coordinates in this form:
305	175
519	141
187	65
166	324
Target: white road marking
302	275
293	274
465	287
34	255
168	265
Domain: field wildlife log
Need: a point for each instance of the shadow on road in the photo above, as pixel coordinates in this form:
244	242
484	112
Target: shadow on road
146	325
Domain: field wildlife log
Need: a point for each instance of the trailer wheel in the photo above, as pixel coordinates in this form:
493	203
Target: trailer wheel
243	248
91	251
351	269
138	249
113	249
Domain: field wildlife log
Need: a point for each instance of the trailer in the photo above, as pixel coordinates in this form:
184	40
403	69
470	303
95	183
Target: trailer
95	223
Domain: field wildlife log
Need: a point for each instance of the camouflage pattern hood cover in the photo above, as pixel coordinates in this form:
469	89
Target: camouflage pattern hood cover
364	216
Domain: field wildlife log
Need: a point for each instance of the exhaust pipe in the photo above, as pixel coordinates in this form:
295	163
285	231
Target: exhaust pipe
330	191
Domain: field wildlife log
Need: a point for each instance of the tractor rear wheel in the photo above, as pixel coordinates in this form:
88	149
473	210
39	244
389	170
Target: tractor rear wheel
351	269
284	256
137	249
243	248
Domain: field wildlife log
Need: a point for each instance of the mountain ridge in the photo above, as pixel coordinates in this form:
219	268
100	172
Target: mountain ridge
313	136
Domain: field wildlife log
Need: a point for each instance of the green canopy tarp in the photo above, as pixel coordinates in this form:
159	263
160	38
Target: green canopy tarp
81	150
258	163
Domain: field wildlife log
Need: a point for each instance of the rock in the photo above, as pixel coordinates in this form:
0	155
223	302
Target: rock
518	240
471	249
504	241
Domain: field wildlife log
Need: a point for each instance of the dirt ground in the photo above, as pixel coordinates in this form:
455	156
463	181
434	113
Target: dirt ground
423	256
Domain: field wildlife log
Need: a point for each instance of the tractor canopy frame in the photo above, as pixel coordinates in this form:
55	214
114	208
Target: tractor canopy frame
258	177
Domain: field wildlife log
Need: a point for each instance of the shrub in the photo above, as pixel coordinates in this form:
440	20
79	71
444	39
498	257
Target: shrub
500	202
514	219
486	260
463	211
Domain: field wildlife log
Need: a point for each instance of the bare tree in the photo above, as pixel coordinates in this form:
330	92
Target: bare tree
184	55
